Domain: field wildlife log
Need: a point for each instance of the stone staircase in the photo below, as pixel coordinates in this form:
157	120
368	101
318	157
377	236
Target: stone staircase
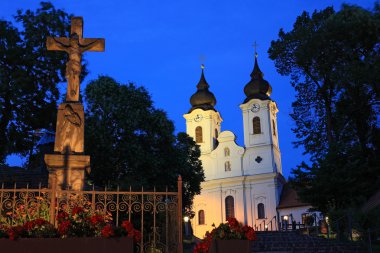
292	241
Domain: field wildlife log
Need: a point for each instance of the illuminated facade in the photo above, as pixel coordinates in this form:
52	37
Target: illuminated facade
241	182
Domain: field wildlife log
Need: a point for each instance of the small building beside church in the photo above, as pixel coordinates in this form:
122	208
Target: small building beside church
242	182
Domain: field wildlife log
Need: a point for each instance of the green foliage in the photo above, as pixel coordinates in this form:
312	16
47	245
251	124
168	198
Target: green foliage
29	75
333	60
131	143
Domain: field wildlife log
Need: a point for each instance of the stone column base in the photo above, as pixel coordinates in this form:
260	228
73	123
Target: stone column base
68	170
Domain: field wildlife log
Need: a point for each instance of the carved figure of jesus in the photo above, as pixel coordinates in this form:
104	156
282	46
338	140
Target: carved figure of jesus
74	46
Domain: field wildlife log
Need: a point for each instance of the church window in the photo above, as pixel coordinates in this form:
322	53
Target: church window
226	152
227	166
216	143
198	135
260	211
201	217
230	207
274	127
256	125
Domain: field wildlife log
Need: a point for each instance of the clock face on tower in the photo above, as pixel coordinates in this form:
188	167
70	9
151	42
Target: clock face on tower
198	118
255	108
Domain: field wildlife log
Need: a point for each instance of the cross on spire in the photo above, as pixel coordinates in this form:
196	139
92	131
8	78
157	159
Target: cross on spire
255	45
202	59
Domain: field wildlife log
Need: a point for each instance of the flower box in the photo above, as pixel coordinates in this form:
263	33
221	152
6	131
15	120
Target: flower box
227	246
67	245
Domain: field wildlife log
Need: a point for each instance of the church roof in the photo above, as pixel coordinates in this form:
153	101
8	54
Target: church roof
257	87
289	198
202	98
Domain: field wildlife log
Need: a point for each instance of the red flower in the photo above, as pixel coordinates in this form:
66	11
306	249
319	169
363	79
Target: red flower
136	236
127	225
107	231
96	219
40	222
233	223
29	225
245	228
15	232
62	215
251	235
63	227
77	210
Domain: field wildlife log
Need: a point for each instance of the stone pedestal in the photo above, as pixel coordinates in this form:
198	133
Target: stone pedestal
67	171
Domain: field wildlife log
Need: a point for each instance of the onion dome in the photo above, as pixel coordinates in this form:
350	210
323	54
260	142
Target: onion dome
202	98
258	87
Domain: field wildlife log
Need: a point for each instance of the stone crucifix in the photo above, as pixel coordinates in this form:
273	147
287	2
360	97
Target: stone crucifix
74	46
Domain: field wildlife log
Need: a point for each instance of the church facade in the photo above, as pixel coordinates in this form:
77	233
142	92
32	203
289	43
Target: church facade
241	182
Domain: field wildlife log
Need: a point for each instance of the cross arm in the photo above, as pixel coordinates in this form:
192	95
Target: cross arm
96	45
59	44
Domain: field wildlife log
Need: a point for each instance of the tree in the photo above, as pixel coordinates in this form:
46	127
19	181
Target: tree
333	60
29	75
131	143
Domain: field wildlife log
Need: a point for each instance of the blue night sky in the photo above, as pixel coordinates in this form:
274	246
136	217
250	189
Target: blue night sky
158	44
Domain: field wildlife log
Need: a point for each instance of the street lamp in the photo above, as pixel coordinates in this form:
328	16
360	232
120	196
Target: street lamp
328	226
186	220
286	218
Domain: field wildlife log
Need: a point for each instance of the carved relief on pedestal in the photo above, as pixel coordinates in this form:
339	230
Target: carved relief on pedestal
69	137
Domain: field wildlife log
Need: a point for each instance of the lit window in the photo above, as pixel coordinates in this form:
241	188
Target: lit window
198	135
230	213
226	152
201	217
260	211
256	125
227	166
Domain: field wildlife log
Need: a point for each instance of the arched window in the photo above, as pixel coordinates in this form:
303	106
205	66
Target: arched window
227	166
201	217
226	152
198	135
230	206
256	125
260	211
216	143
274	127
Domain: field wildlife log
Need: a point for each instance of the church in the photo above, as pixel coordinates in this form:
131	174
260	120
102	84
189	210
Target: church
241	182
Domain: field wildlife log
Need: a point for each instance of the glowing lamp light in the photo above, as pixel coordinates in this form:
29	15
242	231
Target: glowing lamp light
286	217
186	219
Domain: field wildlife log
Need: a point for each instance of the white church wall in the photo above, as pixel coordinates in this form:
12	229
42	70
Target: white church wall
262	191
209	166
228	156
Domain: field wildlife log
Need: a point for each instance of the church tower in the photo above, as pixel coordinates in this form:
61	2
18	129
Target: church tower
203	120
260	126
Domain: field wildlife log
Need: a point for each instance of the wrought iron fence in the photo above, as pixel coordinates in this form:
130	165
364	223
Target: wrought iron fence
157	214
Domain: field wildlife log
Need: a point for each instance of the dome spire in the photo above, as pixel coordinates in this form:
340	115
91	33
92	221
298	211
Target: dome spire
258	87
202	84
256	72
202	98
